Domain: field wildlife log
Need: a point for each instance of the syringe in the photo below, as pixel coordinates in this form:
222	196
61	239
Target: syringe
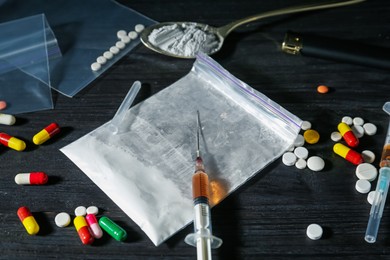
385	158
202	237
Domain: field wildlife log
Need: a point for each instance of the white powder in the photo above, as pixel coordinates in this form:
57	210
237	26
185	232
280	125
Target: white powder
185	40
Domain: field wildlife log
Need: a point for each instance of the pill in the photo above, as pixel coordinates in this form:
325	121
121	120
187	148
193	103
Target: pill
314	231
358	131
369	129
3	105
371	197
113	229
363	186
139	28
368	156
335	136
32	178
93	224
348	135
6	119
322	89
348	154
358	121
366	171
96	66
289	159
291	148
299	141
62	219
301	164
132	35
12	142
108	55
101	60
311	136
347	119
315	163
114	50
46	133
80	211
301	152
93	210
306	125
28	220
126	39
121	33
120	45
83	230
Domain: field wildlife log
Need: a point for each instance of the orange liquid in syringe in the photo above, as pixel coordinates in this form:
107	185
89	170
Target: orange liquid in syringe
200	185
385	159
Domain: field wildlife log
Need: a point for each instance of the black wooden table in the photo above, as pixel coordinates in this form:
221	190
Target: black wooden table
267	217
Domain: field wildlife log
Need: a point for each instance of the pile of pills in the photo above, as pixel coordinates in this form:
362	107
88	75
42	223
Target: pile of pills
86	223
298	155
124	38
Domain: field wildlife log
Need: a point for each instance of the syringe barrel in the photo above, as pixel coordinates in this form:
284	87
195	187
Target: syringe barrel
385	158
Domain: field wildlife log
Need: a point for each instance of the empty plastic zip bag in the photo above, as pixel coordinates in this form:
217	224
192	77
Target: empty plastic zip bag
146	168
28	49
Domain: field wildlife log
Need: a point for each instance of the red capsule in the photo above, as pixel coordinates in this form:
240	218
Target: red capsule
28	220
348	135
83	230
32	178
45	134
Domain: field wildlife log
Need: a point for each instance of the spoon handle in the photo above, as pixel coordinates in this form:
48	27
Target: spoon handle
225	30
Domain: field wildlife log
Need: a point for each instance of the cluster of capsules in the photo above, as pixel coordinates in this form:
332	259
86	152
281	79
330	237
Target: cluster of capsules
351	130
298	155
87	226
18	144
124	38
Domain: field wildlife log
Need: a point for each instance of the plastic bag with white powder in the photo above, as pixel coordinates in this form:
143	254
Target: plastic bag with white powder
146	168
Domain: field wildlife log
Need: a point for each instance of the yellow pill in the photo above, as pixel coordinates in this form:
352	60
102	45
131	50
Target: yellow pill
12	142
311	136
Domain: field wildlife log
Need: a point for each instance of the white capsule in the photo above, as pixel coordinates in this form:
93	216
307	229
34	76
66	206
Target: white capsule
368	156
132	35
95	66
120	45
80	211
101	60
108	55
62	219
6	119
369	129
306	125
335	136
114	50
121	33
92	210
139	28
314	231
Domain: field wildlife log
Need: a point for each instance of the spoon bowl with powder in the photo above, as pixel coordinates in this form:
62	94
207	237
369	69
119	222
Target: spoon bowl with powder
186	39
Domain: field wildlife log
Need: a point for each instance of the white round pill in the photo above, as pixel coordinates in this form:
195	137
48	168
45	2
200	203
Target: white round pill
62	219
306	125
347	119
315	163
121	33
120	45
289	159
139	28
301	164
368	156
92	210
335	136
314	231
366	171
299	141
363	186
291	148
108	55
358	130
126	39
80	211
358	121
369	129
114	50
301	152
132	35
371	197
95	66
101	60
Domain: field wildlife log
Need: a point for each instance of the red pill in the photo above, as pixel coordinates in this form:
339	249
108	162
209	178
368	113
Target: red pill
32	178
28	220
46	133
83	230
348	135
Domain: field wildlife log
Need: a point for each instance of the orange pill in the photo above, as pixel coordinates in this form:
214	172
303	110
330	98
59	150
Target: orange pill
3	104
322	89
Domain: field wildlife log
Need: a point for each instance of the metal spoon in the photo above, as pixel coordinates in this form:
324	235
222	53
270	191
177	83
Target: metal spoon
174	39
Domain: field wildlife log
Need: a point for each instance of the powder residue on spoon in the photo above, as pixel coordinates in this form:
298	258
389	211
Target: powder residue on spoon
185	40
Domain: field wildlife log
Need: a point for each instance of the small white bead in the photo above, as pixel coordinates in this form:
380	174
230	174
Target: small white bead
335	136
289	159
358	121
126	39
314	231
347	119
95	66
363	186
306	125
369	129
101	60
301	152
133	35
368	156
114	50
301	164
120	45
108	55
121	33
139	28
92	210
80	211
358	131
62	219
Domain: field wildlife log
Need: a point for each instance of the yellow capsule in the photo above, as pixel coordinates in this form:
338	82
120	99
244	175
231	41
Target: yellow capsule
12	142
28	220
311	136
46	133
